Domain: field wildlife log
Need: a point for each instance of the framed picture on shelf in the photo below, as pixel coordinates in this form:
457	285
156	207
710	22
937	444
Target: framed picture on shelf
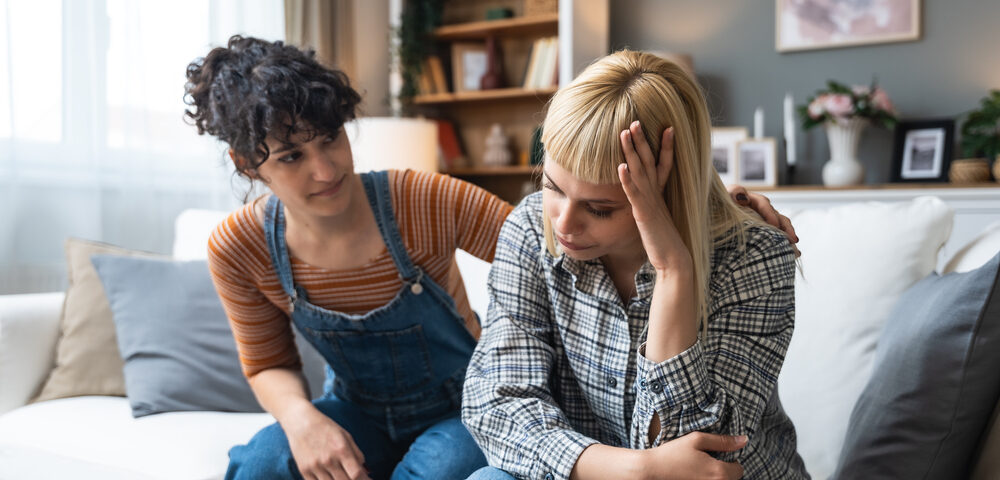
812	24
757	164
922	150
724	153
468	64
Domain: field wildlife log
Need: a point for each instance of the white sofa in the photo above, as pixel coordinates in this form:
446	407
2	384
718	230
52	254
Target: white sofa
97	438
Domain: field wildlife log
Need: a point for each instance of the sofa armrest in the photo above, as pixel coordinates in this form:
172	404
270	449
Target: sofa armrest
29	329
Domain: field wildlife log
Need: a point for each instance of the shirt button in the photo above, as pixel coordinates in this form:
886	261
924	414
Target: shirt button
642	384
612	382
548	476
656	387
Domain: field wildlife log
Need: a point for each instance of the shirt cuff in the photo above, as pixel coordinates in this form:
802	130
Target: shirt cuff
559	450
678	380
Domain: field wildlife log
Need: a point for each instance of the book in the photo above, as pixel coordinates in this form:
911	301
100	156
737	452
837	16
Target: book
425	84
437	74
548	64
529	70
450	151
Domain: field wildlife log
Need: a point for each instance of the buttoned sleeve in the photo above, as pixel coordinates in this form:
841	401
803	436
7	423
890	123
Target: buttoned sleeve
723	382
508	405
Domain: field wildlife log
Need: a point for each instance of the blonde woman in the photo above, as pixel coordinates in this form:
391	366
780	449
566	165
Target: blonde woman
639	318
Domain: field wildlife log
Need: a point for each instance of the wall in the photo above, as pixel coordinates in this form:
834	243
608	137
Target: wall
945	73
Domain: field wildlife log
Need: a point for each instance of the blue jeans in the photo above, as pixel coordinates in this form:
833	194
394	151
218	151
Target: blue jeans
490	473
445	450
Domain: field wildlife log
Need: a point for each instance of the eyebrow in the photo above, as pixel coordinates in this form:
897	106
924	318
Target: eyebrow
602	201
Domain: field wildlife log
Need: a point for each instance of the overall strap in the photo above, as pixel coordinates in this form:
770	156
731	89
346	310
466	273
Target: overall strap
377	190
274	230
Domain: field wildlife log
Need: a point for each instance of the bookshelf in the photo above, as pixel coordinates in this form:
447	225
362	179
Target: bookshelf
518	110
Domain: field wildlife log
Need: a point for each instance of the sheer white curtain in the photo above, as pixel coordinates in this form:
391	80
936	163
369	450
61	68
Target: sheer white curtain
92	138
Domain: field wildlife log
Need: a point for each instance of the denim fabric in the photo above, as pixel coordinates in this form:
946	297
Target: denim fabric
491	473
395	374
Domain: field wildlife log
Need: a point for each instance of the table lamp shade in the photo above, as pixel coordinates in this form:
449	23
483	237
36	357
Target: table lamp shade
380	143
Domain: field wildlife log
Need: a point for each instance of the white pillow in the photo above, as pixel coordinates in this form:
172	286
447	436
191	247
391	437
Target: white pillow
857	260
977	252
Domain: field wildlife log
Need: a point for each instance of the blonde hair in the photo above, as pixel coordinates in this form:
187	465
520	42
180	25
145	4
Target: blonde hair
580	134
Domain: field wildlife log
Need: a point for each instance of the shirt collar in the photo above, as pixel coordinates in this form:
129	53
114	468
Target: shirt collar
591	278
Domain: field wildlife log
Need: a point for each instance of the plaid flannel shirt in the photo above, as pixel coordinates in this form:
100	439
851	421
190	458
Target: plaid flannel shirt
560	362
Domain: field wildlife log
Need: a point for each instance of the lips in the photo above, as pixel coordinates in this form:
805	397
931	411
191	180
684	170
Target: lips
570	245
330	191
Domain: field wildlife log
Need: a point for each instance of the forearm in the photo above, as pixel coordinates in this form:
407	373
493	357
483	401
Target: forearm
672	328
603	462
282	392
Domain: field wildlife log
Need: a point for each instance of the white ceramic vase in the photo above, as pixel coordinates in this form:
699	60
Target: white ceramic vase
843	167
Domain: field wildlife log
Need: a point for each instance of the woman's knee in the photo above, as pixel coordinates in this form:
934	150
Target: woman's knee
267	455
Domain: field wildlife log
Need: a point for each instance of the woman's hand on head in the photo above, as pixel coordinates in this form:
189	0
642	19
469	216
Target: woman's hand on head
762	205
687	457
323	450
643	178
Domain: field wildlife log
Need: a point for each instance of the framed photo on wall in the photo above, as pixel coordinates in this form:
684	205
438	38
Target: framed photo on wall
468	64
922	150
757	164
724	153
812	24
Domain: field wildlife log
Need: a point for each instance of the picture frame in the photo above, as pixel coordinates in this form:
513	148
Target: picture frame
815	24
468	64
724	153
922	150
757	164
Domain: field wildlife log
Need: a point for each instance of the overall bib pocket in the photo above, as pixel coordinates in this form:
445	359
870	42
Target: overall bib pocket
382	363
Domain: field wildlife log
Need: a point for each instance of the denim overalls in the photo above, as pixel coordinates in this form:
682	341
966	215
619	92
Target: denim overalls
394	374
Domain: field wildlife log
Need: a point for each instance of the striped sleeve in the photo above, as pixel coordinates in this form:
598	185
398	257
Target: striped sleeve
237	256
449	213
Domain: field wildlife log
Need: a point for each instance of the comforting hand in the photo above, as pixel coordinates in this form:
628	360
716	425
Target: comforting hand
762	205
687	458
643	179
323	450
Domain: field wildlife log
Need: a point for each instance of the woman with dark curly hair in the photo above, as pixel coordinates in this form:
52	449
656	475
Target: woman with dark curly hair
363	265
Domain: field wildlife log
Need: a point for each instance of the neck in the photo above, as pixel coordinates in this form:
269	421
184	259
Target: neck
625	261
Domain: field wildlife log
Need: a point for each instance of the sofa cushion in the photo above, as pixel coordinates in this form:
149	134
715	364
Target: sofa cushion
96	437
934	383
87	360
856	261
174	337
976	252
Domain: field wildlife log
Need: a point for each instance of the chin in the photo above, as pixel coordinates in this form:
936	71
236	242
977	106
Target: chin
583	255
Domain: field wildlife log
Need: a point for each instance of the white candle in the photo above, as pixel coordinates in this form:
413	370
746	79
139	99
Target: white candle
789	130
758	123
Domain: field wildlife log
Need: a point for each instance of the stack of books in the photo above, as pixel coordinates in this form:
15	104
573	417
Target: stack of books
543	64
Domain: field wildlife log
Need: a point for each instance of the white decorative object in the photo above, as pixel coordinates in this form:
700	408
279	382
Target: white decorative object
497	154
382	143
758	123
843	168
789	130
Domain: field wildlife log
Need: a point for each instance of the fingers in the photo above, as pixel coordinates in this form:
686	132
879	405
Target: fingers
762	205
642	147
732	470
710	442
739	195
786	226
635	164
666	163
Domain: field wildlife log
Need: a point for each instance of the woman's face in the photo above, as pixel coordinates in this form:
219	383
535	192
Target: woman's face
311	176
589	220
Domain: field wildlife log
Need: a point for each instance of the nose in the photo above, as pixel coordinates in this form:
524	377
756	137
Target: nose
568	220
322	166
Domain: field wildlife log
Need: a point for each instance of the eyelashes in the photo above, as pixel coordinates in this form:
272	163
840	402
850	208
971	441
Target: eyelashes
593	211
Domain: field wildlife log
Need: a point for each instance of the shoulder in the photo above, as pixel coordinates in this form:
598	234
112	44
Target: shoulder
237	235
763	260
527	216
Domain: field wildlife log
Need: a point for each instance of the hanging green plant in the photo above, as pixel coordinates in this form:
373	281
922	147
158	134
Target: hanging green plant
981	129
419	19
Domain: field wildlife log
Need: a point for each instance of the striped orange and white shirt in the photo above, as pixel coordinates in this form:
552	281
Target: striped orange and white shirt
436	214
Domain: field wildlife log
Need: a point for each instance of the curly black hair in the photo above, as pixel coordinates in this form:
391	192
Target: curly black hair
253	88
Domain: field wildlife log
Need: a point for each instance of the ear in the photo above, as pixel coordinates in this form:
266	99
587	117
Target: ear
241	163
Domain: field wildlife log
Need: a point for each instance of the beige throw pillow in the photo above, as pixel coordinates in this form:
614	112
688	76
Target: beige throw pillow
87	357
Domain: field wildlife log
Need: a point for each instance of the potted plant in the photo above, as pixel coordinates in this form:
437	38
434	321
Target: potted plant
418	20
981	133
845	111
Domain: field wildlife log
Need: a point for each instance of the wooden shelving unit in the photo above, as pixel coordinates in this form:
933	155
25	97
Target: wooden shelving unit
473	113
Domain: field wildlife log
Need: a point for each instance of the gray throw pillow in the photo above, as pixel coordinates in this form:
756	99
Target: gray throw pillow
934	383
175	339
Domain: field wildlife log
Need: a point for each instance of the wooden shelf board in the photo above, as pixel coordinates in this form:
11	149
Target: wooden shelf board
491	171
484	95
516	26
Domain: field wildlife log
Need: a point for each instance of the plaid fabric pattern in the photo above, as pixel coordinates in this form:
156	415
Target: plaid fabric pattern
560	362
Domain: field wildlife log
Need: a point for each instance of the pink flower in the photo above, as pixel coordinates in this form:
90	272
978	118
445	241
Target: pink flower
816	107
860	90
880	100
838	105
